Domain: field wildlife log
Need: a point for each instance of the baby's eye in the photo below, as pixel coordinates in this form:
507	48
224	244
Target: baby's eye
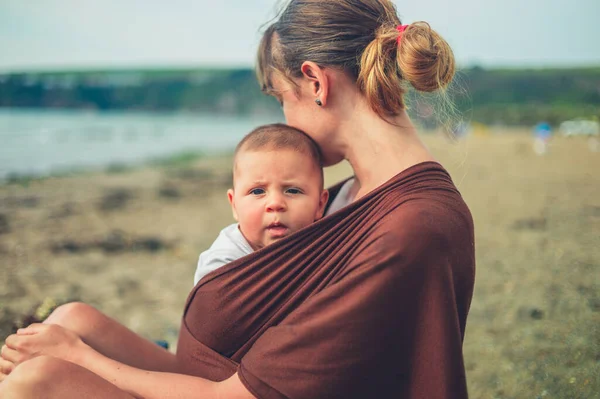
293	191
257	191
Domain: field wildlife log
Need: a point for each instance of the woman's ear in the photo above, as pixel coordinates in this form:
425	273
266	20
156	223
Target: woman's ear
318	79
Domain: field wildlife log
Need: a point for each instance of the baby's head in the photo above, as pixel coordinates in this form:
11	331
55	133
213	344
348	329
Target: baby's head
277	184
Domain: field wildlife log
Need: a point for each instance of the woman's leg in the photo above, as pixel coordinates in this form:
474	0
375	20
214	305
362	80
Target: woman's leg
49	377
111	338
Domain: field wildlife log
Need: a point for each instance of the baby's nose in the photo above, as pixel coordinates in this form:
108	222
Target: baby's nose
276	203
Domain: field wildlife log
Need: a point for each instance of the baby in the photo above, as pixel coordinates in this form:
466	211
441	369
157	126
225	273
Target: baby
277	190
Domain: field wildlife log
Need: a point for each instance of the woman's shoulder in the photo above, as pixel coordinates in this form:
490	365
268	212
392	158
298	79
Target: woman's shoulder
431	209
430	215
424	233
426	187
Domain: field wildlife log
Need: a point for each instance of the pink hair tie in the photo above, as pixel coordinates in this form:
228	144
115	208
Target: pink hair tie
400	29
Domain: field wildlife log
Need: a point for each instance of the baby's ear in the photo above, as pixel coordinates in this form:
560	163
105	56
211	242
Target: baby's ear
231	199
322	203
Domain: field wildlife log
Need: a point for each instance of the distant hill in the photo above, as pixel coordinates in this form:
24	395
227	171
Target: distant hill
516	96
503	96
207	90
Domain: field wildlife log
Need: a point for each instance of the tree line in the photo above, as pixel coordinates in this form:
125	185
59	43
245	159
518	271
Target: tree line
490	96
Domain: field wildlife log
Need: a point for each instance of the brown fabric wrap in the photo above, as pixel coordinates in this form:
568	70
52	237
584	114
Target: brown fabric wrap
370	301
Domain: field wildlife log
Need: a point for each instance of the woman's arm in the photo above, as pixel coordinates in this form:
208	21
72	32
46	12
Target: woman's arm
152	384
56	341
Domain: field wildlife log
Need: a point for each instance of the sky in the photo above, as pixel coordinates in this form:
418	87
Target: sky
68	34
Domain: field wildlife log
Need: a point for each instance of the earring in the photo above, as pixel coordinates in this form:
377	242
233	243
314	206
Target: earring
318	101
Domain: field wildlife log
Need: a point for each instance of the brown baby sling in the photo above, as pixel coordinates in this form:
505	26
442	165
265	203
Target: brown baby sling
368	302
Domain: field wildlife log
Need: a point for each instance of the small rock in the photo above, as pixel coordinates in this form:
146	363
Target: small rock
126	286
592	211
528	312
151	244
29	202
169	192
20	202
64	211
536	314
530	224
68	246
115	241
4	225
116	199
594	304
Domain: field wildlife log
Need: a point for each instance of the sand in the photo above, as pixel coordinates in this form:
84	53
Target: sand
127	242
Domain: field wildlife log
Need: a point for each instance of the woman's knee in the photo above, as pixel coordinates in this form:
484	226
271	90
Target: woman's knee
73	315
34	376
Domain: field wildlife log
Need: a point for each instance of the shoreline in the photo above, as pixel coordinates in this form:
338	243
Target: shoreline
177	159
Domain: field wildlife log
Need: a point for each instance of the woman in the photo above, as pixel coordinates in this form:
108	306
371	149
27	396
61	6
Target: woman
370	301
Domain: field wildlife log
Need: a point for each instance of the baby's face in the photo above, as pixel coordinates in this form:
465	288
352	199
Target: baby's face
275	194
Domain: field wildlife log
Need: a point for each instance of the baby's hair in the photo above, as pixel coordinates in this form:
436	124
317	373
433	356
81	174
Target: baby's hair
279	136
361	38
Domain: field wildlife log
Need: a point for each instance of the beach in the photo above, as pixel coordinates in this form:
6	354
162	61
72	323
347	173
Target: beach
127	241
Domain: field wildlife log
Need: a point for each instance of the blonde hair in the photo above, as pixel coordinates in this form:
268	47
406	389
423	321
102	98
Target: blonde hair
359	37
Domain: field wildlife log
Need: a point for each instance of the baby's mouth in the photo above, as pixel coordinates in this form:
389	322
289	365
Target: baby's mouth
277	229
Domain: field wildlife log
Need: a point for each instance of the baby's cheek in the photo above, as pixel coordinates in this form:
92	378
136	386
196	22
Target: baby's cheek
257	218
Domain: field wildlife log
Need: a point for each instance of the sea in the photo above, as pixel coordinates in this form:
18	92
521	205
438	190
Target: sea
37	143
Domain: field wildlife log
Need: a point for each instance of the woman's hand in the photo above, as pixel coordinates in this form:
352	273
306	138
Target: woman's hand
5	367
40	339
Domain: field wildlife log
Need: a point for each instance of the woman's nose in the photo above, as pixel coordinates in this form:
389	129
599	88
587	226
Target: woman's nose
276	203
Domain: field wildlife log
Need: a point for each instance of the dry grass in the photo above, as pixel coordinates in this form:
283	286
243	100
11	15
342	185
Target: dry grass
534	326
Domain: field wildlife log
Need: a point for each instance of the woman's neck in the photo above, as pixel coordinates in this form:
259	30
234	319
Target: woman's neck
379	150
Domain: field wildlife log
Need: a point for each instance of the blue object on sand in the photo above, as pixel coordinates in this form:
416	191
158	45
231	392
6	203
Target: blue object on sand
543	130
163	343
